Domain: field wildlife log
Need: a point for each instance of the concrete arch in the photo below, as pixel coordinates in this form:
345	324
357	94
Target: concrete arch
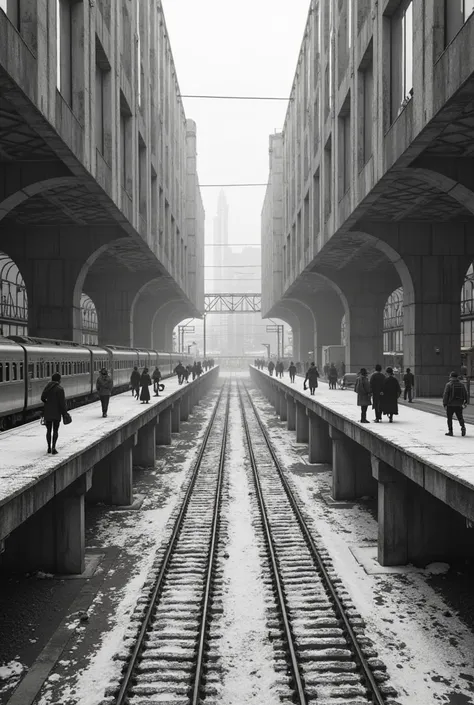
13	200
291	319
460	193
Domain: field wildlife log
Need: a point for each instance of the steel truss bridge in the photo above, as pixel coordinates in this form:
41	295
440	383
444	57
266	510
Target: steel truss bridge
232	303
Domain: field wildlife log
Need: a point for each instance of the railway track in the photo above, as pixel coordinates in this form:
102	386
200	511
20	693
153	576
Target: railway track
330	661
166	663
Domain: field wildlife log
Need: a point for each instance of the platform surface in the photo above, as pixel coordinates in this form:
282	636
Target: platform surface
418	433
24	460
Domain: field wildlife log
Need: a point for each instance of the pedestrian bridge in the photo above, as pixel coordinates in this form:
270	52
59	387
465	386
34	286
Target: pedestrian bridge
424	481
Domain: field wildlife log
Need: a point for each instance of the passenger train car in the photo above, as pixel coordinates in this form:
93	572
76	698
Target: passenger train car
27	363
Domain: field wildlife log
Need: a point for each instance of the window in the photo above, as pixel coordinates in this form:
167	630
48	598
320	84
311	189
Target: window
457	12
64	48
316	202
367	87
345	152
402	57
327	180
99	109
7	372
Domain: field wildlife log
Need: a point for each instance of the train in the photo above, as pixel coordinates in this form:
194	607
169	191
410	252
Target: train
27	363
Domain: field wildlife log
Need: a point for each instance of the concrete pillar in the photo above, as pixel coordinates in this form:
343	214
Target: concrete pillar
163	430
365	331
302	426
319	443
393	514
185	407
112	480
70	531
276	396
283	411
351	468
144	453
290	413
328	312
175	416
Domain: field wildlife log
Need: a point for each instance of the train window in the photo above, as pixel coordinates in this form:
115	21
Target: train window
31	370
21	370
69	368
1	372
14	372
58	369
88	367
7	372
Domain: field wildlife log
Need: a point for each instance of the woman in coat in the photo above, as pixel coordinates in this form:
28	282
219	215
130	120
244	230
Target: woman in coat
362	389
391	390
55	409
145	384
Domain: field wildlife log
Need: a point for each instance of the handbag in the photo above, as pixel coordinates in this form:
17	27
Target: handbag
42	421
161	387
67	418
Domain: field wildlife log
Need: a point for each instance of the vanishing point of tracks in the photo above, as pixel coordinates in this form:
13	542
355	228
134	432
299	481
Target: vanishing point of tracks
317	636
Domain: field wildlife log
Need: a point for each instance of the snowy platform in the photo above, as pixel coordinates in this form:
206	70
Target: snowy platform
414	447
30	478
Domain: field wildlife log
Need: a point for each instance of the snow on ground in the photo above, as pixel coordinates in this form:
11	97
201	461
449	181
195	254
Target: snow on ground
139	534
24	461
426	648
246	653
418	433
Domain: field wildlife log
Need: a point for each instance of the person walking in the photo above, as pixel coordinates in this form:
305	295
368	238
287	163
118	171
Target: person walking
198	369
362	389
391	390
332	376
179	370
409	382
104	386
292	371
271	367
376	385
454	401
55	409
156	377
135	382
312	378
145	384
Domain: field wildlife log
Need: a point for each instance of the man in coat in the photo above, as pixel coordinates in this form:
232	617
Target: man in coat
145	384
55	409
104	386
179	370
332	376
271	367
312	378
156	376
454	401
292	371
362	389
391	390
135	382
377	380
409	382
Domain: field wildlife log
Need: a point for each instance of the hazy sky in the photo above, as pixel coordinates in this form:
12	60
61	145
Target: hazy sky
235	48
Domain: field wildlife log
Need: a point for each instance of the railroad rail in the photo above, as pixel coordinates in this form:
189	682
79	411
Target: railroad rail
168	656
329	658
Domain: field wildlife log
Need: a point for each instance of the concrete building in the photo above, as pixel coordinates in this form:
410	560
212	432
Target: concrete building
99	194
371	182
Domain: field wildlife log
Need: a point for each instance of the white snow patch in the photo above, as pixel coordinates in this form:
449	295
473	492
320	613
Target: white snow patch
437	568
10	670
246	654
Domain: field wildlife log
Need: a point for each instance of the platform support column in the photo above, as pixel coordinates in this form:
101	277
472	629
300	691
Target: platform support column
276	393
283	409
393	515
145	451
343	465
290	413
319	443
302	426
176	416
69	527
163	429
112	480
184	411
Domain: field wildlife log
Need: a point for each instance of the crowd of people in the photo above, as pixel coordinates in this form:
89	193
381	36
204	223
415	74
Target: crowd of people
381	390
54	398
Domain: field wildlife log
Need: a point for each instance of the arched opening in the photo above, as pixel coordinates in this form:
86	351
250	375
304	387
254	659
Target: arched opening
13	299
393	329
89	321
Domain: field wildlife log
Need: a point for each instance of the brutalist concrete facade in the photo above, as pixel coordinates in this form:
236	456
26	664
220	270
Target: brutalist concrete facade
378	182
98	178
